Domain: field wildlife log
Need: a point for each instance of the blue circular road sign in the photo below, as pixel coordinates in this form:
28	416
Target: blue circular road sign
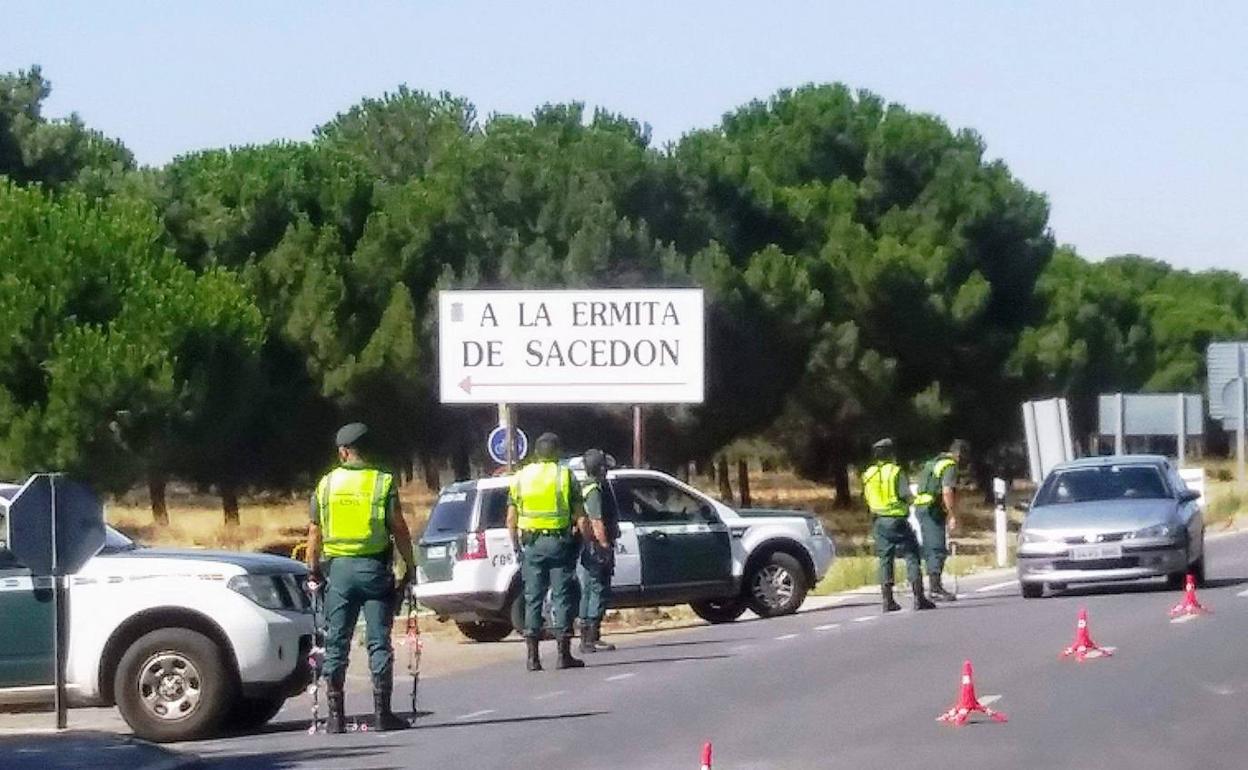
497	445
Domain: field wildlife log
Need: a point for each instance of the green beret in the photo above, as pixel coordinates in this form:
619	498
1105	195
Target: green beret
350	435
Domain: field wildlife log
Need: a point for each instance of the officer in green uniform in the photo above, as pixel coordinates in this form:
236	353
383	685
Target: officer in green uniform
598	552
543	512
355	518
934	506
887	491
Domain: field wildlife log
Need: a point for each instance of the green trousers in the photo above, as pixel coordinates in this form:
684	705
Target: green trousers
935	545
549	562
359	583
594	573
893	537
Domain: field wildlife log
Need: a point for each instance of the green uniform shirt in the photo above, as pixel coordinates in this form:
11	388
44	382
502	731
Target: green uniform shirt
598	507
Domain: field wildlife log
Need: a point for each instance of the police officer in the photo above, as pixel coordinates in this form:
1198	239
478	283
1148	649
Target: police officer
543	512
600	532
935	508
887	491
355	518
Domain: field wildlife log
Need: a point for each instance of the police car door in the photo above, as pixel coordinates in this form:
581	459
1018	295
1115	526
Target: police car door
685	549
25	625
627	576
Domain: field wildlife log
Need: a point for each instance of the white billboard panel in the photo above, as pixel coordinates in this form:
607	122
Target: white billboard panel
1049	441
618	346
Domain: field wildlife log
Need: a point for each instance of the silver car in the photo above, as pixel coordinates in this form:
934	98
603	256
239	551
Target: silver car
1102	519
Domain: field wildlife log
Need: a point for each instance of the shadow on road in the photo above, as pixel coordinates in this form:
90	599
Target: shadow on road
644	661
301	725
507	720
322	756
691	643
1153	587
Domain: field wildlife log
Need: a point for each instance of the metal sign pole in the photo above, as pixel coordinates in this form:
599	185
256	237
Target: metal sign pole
638	437
1120	440
1182	443
508	418
59	614
1239	430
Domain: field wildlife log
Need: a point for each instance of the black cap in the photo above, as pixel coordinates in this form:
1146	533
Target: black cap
595	463
350	434
547	447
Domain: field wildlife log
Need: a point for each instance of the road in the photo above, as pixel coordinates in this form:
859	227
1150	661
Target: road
841	687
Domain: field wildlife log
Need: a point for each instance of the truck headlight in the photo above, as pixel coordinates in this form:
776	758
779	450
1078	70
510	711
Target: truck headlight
261	589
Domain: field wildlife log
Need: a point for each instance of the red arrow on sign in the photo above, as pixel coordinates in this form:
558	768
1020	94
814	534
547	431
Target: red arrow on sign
467	384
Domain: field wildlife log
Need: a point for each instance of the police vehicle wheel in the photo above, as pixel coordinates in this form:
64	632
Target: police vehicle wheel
777	586
1031	590
719	610
173	684
485	630
252	713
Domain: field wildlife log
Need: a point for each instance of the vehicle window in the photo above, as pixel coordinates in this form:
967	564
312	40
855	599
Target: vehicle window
452	512
1110	482
649	501
493	508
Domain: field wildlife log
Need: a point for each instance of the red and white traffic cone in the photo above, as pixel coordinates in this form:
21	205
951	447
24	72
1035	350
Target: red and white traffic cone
1084	647
1190	605
968	703
706	756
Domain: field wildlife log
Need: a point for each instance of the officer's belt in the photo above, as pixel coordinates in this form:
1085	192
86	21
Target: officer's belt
528	535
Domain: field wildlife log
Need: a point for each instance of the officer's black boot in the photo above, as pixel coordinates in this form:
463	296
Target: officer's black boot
588	638
565	659
938	590
599	645
534	662
886	590
334	697
921	602
383	718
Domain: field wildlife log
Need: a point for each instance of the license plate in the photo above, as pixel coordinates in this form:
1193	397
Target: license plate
1091	552
435	552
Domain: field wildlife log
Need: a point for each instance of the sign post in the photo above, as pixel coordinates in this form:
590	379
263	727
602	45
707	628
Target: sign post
639	438
55	526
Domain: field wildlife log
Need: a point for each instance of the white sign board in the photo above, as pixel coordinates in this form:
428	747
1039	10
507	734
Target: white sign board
619	346
1194	479
1049	441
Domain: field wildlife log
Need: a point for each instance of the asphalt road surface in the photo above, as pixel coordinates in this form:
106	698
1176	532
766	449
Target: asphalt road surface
840	687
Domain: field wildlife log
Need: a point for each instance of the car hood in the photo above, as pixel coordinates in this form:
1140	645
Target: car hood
253	563
772	513
1104	516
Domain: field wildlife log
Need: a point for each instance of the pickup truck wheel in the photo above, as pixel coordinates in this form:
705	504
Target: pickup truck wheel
777	586
718	610
253	713
485	630
173	684
1031	590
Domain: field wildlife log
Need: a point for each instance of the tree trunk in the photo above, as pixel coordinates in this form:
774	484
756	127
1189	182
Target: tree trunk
840	482
156	494
725	485
460	464
429	469
743	482
229	504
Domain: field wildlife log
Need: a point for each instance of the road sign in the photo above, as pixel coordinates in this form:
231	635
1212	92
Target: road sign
52	509
622	346
497	445
1049	442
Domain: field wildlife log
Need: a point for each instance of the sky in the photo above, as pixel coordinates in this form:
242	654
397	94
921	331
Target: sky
1131	116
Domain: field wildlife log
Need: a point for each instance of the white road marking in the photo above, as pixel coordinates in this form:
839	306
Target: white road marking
549	695
865	618
988	700
783	637
476	714
827	626
996	586
1242	593
742	648
618	677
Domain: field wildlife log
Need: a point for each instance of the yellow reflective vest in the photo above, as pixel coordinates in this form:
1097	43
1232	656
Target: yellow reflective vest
879	486
541	492
351	503
929	481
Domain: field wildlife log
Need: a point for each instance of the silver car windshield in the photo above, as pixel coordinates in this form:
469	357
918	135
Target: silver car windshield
1106	482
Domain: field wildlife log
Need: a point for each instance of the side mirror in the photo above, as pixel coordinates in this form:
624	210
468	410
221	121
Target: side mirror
1022	506
1188	495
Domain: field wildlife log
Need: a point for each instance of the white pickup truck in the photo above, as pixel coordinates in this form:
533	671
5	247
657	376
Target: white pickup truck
184	642
676	545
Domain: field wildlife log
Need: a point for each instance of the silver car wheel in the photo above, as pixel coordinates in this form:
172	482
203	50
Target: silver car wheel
773	586
170	686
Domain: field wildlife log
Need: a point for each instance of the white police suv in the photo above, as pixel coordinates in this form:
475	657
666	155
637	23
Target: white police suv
184	642
676	546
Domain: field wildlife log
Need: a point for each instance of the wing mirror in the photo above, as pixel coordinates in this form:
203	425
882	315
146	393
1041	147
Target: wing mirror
1023	506
1188	495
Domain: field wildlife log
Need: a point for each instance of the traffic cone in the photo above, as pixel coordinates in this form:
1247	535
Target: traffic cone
1083	641
968	703
706	756
1190	605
